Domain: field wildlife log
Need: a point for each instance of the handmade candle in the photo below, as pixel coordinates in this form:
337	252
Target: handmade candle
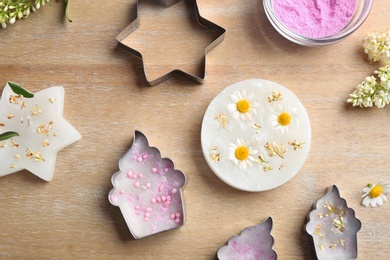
314	18
147	189
255	135
33	130
333	227
253	243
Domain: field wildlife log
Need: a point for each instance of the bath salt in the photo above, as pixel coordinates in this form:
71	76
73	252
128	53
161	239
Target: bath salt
315	18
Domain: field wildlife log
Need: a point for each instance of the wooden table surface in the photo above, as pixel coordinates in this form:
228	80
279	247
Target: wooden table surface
107	97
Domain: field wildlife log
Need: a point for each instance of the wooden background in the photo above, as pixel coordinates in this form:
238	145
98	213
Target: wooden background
107	97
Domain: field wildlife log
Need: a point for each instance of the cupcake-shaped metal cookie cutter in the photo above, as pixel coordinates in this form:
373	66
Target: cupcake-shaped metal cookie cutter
333	227
148	190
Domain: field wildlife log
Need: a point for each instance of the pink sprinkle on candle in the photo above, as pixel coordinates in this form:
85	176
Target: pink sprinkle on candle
140	175
129	174
137	207
139	159
146	219
163	198
122	192
154	170
147	214
136	184
158	199
174	191
153	200
177	220
173	216
149	210
148	185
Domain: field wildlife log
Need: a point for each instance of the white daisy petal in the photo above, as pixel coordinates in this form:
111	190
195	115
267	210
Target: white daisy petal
366	201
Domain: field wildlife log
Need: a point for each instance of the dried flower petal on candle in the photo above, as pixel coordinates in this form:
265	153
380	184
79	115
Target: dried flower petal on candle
333	227
28	132
147	189
254	123
253	243
375	194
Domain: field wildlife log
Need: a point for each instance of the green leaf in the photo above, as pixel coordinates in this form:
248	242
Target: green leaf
20	91
7	135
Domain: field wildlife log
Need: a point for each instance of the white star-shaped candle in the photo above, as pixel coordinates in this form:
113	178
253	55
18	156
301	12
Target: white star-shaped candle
33	130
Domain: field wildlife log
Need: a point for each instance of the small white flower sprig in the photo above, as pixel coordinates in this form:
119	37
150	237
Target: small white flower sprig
375	90
12	10
377	46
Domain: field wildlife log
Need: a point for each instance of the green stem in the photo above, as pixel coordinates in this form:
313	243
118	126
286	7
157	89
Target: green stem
66	11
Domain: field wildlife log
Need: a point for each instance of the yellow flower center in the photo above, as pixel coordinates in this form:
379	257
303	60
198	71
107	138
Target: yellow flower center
376	191
243	106
284	119
242	153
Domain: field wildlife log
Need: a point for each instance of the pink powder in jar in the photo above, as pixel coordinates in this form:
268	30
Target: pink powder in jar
314	18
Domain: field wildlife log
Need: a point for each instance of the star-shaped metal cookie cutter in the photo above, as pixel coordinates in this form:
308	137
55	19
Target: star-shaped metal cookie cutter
202	21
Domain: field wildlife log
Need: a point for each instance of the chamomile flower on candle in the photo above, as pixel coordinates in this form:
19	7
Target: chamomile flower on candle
375	194
242	153
242	105
284	118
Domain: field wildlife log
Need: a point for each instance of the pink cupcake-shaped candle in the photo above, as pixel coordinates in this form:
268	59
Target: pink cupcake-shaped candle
147	189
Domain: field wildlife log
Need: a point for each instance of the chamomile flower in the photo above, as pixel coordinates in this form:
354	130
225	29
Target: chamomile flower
241	153
374	194
284	118
242	105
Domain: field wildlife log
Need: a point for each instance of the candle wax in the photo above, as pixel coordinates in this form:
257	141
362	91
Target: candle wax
42	130
333	227
147	189
256	135
253	243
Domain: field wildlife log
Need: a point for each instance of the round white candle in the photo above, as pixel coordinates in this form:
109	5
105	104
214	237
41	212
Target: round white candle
256	135
42	131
